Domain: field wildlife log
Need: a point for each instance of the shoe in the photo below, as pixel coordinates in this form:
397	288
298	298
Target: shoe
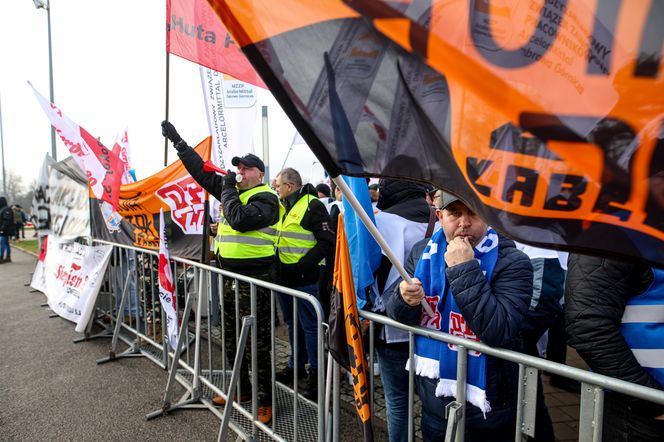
285	376
219	401
8	259
311	388
566	384
265	413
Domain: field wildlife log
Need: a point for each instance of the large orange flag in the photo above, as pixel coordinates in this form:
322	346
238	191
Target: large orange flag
545	116
345	334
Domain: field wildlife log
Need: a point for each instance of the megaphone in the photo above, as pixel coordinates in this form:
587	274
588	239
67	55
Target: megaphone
209	166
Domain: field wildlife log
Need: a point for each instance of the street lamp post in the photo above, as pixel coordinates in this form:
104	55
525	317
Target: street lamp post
40	4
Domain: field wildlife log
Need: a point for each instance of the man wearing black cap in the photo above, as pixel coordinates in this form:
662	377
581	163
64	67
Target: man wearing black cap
479	286
245	240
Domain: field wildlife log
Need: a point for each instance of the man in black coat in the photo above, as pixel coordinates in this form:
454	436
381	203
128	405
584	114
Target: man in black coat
492	308
7	230
613	310
305	240
246	235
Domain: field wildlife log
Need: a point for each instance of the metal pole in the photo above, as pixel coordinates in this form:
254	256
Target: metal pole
2	150
54	153
168	70
266	145
345	190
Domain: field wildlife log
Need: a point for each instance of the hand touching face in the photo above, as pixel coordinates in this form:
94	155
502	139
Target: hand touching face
459	250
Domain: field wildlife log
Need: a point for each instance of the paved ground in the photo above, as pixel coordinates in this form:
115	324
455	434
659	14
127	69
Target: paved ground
52	389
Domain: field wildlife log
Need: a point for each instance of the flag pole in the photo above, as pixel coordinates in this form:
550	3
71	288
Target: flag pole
168	70
355	204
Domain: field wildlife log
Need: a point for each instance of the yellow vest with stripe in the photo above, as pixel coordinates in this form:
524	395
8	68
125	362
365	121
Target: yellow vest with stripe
294	240
230	243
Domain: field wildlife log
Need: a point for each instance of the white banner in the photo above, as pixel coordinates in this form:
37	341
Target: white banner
231	110
166	285
70	206
40	201
73	274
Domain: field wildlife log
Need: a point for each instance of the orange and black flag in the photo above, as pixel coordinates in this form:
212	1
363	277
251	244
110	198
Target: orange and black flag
345	343
546	117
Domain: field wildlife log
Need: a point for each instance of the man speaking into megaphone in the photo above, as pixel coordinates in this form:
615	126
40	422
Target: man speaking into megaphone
244	244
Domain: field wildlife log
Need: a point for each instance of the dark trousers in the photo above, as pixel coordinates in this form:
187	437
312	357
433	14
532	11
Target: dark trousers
627	419
263	334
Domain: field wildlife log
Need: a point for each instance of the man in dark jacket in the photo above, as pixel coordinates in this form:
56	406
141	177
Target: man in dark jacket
246	235
404	218
7	230
479	289
613	311
305	240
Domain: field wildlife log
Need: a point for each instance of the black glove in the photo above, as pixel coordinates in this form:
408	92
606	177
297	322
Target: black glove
168	130
229	179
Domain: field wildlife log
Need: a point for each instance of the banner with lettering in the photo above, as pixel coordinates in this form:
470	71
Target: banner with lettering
172	189
40	212
69	201
546	117
72	275
231	109
194	32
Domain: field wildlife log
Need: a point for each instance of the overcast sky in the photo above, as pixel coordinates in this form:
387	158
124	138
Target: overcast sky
109	73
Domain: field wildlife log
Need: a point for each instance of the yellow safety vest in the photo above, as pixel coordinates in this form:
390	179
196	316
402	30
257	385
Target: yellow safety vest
295	241
230	243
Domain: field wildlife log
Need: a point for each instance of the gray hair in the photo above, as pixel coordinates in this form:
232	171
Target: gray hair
290	175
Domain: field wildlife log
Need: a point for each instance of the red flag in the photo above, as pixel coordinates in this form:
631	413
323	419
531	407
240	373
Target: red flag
102	167
194	32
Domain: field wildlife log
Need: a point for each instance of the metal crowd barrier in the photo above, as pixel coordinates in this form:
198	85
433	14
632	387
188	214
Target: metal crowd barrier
129	309
592	384
134	315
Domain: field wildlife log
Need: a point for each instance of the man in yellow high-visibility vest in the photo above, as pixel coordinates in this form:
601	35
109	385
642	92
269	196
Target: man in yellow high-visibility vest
305	241
246	235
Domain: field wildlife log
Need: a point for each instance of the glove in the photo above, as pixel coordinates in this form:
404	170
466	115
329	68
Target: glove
229	179
168	130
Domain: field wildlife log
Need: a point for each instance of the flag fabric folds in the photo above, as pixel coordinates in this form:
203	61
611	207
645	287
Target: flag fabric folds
345	331
365	253
166	285
103	168
171	189
195	33
546	118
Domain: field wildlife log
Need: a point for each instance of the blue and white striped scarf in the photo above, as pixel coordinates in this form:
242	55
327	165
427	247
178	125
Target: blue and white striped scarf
435	359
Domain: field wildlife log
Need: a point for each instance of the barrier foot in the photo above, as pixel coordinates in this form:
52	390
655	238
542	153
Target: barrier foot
106	333
131	352
168	408
44	304
53	315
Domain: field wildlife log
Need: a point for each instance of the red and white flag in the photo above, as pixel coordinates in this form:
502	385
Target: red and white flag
102	167
166	285
122	150
195	32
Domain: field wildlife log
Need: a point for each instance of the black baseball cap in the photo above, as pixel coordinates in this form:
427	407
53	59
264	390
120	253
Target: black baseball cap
374	186
249	160
447	198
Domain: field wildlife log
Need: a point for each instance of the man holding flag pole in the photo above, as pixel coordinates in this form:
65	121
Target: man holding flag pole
246	234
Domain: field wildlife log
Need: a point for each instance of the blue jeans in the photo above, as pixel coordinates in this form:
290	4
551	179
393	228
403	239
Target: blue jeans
126	269
307	326
392	359
5	250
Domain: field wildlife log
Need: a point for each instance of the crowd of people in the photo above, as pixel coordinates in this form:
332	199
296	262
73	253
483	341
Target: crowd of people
12	226
479	284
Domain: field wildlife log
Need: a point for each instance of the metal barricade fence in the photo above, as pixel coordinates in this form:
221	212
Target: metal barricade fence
592	384
136	318
129	303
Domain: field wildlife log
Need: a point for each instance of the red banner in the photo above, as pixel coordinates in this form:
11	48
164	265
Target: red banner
194	32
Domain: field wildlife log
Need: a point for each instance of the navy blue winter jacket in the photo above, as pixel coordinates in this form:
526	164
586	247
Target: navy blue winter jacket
494	310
